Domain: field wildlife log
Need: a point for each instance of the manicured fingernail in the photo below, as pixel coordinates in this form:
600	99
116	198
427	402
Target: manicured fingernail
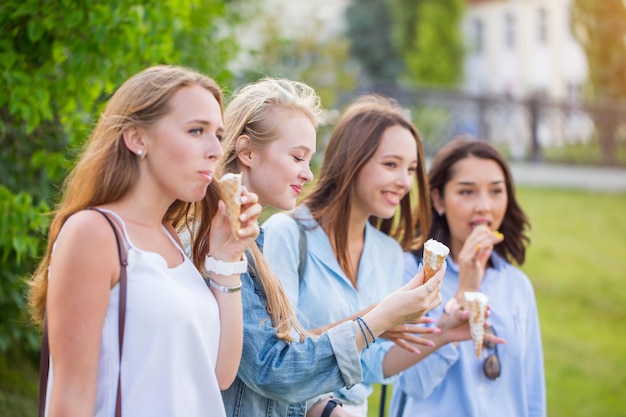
431	343
416	351
244	198
436	330
243	217
477	247
497	234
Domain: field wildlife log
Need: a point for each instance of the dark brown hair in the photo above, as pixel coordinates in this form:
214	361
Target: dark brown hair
515	222
353	142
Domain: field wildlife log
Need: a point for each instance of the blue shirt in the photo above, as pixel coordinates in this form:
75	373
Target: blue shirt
275	378
451	382
326	294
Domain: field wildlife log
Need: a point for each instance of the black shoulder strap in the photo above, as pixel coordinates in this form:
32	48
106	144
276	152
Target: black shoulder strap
44	360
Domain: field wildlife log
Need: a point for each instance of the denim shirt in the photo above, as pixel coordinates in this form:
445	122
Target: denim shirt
275	377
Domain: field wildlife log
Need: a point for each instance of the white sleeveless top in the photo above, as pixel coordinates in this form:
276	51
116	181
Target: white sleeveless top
170	342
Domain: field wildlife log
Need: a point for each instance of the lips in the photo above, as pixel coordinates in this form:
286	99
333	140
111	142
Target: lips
480	222
297	189
207	175
392	198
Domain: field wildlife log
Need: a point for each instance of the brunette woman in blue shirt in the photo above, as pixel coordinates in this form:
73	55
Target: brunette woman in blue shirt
270	137
473	196
358	218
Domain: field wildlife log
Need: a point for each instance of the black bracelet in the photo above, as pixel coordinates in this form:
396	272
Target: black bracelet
330	406
367	343
360	320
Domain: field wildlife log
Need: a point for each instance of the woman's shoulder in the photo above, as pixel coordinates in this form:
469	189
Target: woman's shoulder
279	220
86	240
89	226
513	273
289	219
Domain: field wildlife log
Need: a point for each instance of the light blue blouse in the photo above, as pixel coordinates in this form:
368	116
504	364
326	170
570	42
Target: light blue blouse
326	294
451	382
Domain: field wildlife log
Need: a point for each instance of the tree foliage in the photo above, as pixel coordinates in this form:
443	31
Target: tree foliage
369	28
428	35
600	27
59	61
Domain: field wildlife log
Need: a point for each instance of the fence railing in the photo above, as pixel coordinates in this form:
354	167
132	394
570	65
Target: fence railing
533	129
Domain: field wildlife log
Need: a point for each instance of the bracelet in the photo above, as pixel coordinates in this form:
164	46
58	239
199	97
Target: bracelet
222	288
330	406
367	343
360	319
225	268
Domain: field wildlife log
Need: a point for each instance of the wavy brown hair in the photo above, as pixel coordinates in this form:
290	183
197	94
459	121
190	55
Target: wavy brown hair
354	140
107	170
256	110
515	222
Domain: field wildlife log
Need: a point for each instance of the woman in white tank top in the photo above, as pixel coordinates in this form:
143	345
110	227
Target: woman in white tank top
154	150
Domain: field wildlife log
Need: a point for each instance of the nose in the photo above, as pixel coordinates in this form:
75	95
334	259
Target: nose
306	174
405	179
214	148
483	203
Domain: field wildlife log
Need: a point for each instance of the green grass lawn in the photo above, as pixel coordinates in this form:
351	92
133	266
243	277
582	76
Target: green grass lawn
577	263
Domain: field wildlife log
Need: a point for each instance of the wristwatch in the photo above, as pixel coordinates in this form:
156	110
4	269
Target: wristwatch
451	306
225	268
330	406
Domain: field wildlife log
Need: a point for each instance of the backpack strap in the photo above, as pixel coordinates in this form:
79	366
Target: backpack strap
44	360
302	249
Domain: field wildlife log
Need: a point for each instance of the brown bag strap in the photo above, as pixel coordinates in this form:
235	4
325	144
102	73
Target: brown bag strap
44	360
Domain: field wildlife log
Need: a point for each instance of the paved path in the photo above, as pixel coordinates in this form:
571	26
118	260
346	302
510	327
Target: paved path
567	176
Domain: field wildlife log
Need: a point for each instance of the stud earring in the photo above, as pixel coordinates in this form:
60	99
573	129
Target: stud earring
440	213
140	153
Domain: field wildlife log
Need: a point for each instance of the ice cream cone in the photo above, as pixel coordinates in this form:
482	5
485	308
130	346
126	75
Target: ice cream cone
230	186
476	305
435	254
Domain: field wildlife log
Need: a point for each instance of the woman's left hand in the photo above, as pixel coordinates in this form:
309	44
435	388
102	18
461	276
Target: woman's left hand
455	327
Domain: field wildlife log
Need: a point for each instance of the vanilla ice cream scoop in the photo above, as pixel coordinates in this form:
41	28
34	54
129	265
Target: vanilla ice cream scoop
435	254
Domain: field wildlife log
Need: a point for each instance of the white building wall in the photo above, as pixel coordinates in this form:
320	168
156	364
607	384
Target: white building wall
554	66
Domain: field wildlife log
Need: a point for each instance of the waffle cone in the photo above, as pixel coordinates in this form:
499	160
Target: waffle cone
476	305
435	253
230	187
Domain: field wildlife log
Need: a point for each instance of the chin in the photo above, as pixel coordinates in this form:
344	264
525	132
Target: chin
283	205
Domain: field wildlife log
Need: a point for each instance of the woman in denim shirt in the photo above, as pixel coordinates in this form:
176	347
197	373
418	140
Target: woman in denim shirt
270	137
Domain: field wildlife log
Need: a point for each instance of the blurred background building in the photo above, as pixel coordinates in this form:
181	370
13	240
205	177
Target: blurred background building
521	48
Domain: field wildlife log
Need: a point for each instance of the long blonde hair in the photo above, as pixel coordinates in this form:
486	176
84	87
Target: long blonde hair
353	142
107	170
253	112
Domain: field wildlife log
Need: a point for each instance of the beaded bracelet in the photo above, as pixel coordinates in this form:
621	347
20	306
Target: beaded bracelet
222	288
359	320
367	343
